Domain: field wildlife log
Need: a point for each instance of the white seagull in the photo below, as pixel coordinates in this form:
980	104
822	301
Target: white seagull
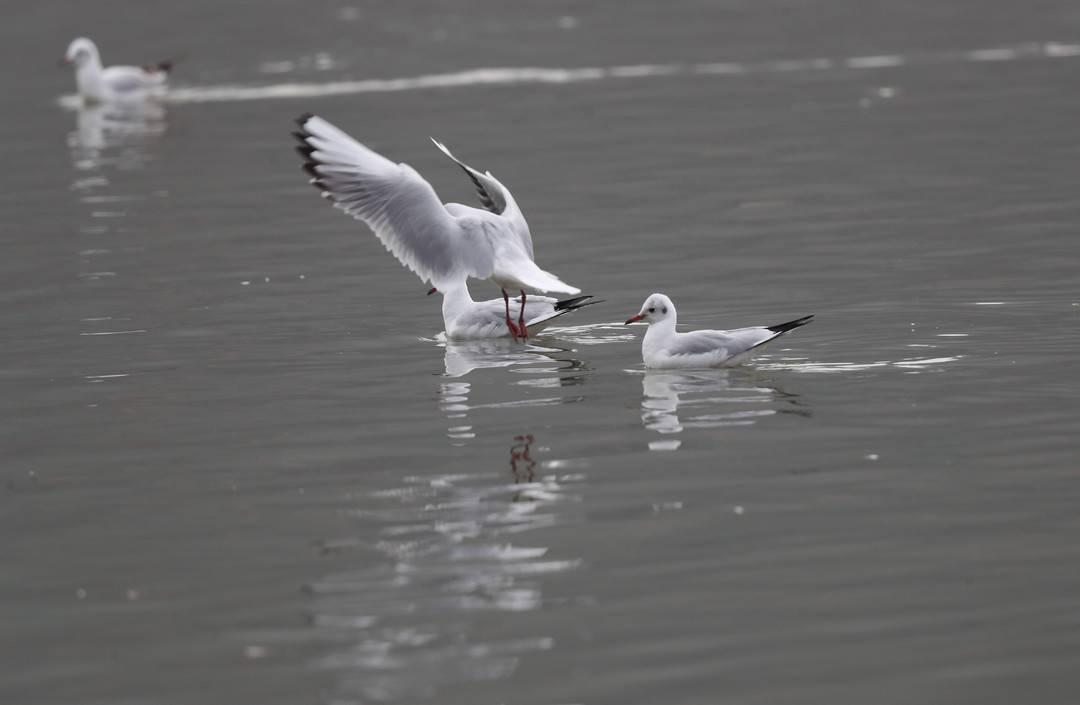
465	319
442	244
103	85
664	348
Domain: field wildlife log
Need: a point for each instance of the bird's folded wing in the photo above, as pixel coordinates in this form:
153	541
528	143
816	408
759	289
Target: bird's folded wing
397	203
734	342
127	79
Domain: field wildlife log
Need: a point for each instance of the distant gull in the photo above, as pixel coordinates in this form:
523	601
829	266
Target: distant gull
664	348
465	319
442	244
115	83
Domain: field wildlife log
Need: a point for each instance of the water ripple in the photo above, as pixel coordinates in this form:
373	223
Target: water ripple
449	545
916	363
674	401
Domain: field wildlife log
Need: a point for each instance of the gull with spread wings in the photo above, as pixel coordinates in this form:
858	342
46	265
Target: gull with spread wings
443	244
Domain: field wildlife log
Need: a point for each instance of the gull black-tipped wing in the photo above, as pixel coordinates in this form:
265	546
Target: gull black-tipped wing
398	204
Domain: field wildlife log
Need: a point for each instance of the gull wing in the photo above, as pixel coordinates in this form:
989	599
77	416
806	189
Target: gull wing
496	198
130	79
735	342
399	206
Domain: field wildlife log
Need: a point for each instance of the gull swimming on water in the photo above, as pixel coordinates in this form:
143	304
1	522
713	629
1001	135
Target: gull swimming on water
101	85
465	319
442	244
664	348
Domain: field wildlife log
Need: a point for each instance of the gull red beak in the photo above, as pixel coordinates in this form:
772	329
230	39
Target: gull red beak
63	61
432	290
634	319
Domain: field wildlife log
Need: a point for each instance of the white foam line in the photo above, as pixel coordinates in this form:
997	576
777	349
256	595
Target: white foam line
784	65
721	68
1001	54
473	77
106	376
875	62
116	332
109	199
505	76
1054	50
645	70
925	362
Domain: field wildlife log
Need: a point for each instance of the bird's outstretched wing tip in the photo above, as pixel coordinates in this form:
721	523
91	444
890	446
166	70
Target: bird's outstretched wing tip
443	148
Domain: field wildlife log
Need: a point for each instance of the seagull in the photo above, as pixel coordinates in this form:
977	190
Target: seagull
465	319
442	244
664	348
102	85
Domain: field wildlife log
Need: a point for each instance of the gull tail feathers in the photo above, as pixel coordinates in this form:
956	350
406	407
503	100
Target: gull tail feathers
526	272
561	308
540	322
577	302
167	65
790	325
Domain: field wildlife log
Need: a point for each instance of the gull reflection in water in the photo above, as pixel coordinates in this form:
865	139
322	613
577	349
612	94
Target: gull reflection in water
522	466
461	358
541	367
674	401
109	140
446	553
439	556
101	127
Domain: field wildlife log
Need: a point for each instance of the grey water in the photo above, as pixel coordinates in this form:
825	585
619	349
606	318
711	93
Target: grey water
239	466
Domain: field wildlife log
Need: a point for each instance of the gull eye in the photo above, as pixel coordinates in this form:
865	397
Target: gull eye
652	310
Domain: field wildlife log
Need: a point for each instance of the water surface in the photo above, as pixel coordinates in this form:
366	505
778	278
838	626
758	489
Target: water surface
241	466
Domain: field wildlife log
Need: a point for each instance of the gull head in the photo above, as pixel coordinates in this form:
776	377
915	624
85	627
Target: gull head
656	308
81	51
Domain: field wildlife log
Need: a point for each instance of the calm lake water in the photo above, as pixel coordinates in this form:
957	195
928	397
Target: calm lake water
239	466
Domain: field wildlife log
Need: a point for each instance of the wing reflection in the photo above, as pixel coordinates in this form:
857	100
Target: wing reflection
674	401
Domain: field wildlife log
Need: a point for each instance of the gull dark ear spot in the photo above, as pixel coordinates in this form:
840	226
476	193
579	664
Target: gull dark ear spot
663	310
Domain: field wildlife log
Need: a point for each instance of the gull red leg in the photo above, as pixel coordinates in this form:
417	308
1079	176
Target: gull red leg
509	324
521	318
